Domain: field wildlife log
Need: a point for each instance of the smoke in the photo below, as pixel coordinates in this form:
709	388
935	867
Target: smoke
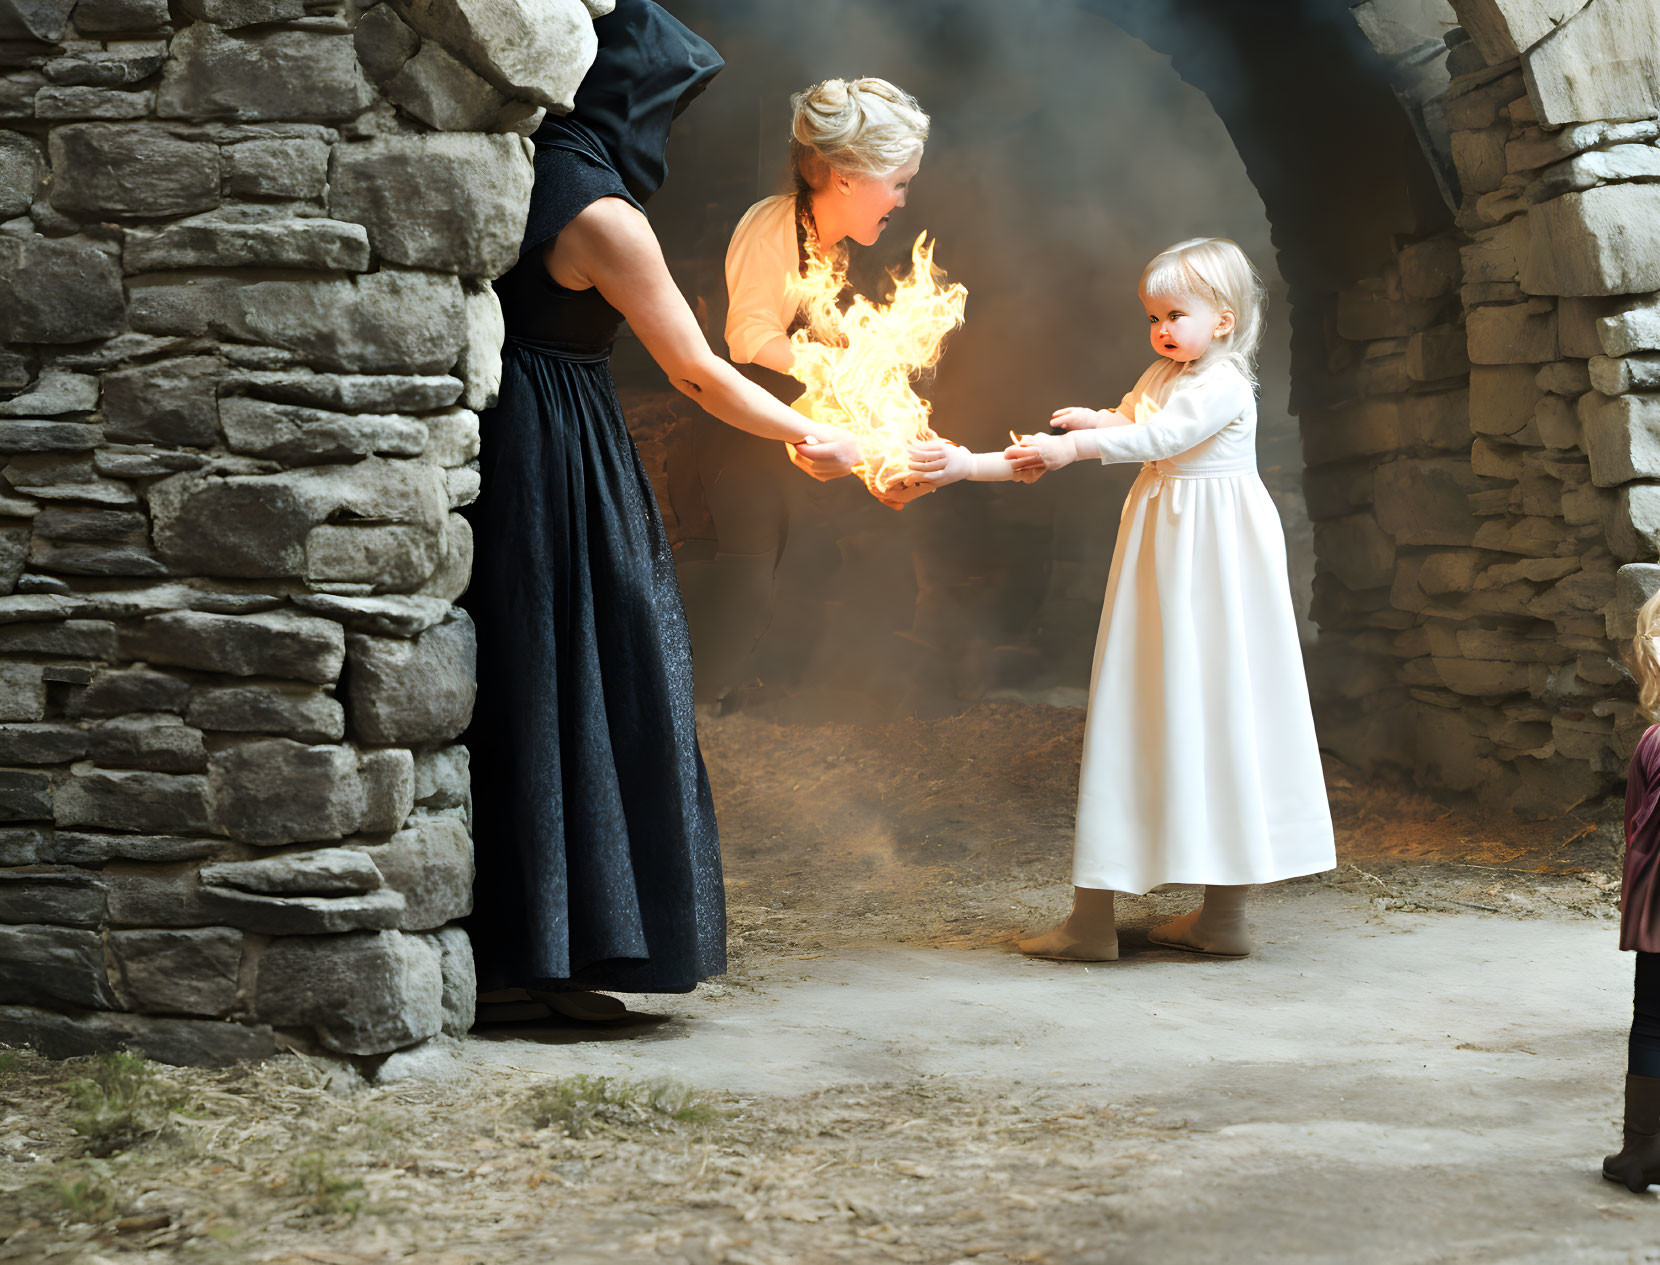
1064	154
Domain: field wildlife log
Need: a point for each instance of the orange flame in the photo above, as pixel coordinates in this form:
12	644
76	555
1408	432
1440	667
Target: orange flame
858	365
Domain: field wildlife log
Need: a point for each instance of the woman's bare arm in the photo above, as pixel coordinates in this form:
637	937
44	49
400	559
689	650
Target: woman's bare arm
775	354
610	247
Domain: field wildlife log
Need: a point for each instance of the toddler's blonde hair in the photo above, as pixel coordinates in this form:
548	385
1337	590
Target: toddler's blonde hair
1645	657
1215	271
859	127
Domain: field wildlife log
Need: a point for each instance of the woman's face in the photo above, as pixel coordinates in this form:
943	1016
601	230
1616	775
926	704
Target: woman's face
871	200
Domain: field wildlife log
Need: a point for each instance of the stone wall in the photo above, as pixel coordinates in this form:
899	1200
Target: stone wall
1482	456
246	322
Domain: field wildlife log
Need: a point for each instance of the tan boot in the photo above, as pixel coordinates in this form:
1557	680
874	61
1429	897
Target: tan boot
1638	1163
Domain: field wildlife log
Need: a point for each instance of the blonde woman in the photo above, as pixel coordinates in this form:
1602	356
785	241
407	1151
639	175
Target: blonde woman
1638	1162
855	147
1200	763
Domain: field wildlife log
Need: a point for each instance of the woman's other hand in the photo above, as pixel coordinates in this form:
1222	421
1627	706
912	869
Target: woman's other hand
826	458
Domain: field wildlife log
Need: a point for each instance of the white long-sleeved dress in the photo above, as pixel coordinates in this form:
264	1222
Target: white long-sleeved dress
1200	763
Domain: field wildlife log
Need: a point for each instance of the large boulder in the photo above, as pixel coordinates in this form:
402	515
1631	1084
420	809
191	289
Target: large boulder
539	49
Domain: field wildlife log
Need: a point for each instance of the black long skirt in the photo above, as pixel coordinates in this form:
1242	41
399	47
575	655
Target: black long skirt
598	858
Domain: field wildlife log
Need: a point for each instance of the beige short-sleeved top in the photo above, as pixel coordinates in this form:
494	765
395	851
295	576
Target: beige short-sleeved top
762	258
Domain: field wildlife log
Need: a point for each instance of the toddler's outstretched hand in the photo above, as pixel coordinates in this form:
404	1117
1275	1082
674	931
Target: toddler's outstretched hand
1077	418
939	461
1040	454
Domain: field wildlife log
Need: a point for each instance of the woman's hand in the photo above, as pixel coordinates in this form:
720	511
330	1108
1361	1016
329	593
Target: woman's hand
825	457
938	462
902	494
1041	453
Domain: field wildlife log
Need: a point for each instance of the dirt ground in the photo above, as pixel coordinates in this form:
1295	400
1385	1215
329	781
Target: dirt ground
1421	1062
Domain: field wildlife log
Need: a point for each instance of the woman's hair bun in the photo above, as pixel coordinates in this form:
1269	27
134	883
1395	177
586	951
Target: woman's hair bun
856	127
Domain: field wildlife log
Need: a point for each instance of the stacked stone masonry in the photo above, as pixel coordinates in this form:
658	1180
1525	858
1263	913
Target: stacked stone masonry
1483	461
245	333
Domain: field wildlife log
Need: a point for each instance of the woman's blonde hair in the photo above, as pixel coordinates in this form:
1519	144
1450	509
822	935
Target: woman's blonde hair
859	127
1215	271
1645	657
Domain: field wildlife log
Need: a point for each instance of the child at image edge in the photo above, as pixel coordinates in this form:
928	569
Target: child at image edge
1200	763
1638	1162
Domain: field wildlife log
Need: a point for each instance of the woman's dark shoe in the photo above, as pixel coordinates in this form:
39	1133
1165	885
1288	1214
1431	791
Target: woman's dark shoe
575	1004
1638	1163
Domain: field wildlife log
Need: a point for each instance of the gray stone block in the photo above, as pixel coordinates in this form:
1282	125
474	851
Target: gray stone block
21	167
296	435
45	20
140	801
443	778
394	615
431	863
113	17
279	791
25	846
181	1042
237	13
279	75
460	980
73	847
22	692
314	872
1426	502
303	915
70	639
56	966
25	795
66	477
452	438
218	241
41	744
53	394
367	993
169	402
59	290
480	362
155	896
452	203
158	740
439	90
389	556
117	64
352	392
388	787
391	321
134	170
413	692
285	169
104	104
178	972
118	691
62	898
260	525
294	711
79	541
275	643
31	435
142	461
384	42
14	552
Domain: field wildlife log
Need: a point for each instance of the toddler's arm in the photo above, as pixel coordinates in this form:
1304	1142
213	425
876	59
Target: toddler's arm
940	461
1191	417
1076	418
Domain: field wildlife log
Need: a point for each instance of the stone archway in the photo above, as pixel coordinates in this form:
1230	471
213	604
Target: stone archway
246	332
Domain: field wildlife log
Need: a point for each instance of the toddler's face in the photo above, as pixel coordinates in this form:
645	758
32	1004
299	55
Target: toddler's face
1182	329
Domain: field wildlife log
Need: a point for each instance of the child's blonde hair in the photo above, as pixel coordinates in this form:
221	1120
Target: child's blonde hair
1215	271
1645	657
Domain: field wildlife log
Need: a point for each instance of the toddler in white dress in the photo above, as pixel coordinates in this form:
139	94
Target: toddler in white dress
1200	763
